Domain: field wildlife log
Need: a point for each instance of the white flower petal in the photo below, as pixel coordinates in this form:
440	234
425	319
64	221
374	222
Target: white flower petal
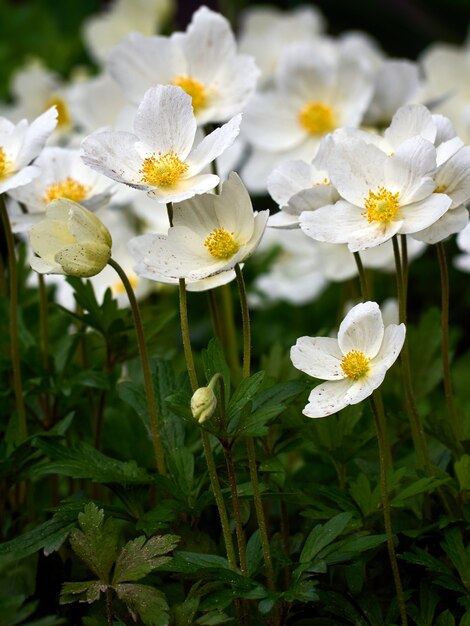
35	137
453	221
363	388
23	177
393	340
356	168
185	188
113	154
270	122
420	215
165	120
362	329
410	121
133	63
327	398
213	145
319	357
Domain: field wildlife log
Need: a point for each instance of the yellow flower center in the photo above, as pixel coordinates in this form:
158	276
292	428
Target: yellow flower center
5	163
355	364
323	183
221	244
118	288
193	88
163	170
440	189
68	188
381	206
317	118
63	114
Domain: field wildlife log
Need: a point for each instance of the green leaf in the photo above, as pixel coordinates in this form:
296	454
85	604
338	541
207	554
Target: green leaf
86	591
149	603
462	470
321	536
214	361
96	542
49	536
84	461
213	619
139	557
458	554
422	485
244	393
254	552
424	348
445	619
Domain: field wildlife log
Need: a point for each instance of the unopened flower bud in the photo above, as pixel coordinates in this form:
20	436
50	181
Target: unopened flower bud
203	404
70	240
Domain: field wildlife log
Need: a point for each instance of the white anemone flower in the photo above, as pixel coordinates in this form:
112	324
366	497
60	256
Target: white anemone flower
203	61
381	195
19	145
210	234
63	175
160	157
318	89
354	364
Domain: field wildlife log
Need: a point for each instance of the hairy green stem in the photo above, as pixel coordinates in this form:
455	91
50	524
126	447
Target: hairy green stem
416	425
385	457
14	340
250	445
213	476
453	413
144	358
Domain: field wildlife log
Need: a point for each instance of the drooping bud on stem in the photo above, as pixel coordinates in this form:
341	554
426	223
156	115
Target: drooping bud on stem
204	401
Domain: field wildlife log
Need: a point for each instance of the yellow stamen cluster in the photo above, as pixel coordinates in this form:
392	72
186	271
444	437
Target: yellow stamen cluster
68	188
64	119
193	88
5	163
317	118
355	364
163	170
440	189
381	206
221	244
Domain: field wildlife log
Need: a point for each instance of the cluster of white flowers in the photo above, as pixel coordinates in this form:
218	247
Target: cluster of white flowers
338	134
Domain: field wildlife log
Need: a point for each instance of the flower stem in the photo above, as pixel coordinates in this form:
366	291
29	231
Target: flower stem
227	446
362	276
144	358
14	343
385	458
250	445
453	414
417	430
213	476
44	334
